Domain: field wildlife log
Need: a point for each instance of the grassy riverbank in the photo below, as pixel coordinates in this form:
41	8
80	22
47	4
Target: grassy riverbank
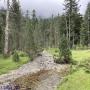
7	64
78	80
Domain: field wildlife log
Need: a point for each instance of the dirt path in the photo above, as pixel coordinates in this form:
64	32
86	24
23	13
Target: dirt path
41	63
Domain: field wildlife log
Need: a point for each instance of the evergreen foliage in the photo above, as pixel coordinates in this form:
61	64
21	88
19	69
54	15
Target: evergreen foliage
86	26
30	33
65	53
15	56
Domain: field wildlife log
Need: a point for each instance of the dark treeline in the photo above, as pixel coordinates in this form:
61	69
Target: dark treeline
29	34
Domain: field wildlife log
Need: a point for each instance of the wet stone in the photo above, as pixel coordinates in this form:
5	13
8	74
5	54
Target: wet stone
9	87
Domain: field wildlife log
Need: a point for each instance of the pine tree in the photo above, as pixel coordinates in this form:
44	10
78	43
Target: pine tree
2	27
15	22
71	10
83	35
31	47
87	22
52	32
65	53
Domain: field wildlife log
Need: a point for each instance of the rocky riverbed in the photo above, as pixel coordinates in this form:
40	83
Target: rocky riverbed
41	74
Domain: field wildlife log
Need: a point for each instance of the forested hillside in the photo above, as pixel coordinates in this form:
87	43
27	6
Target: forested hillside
25	32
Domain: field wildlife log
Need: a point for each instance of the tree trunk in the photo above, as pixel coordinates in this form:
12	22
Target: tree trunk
69	29
88	29
6	47
73	39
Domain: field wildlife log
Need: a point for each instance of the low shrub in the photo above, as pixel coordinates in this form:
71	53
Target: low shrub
5	56
87	69
86	65
63	61
22	54
73	68
15	57
57	60
56	51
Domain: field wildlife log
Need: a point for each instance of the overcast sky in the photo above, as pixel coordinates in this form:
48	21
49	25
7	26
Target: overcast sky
45	8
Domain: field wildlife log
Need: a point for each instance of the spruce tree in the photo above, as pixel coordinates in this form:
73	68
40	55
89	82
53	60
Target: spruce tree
15	21
83	35
2	27
52	32
87	23
65	53
71	11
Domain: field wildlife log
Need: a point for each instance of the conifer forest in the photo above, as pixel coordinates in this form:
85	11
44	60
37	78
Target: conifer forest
39	52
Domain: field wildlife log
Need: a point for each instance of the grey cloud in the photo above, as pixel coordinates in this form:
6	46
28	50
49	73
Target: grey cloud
43	7
46	8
